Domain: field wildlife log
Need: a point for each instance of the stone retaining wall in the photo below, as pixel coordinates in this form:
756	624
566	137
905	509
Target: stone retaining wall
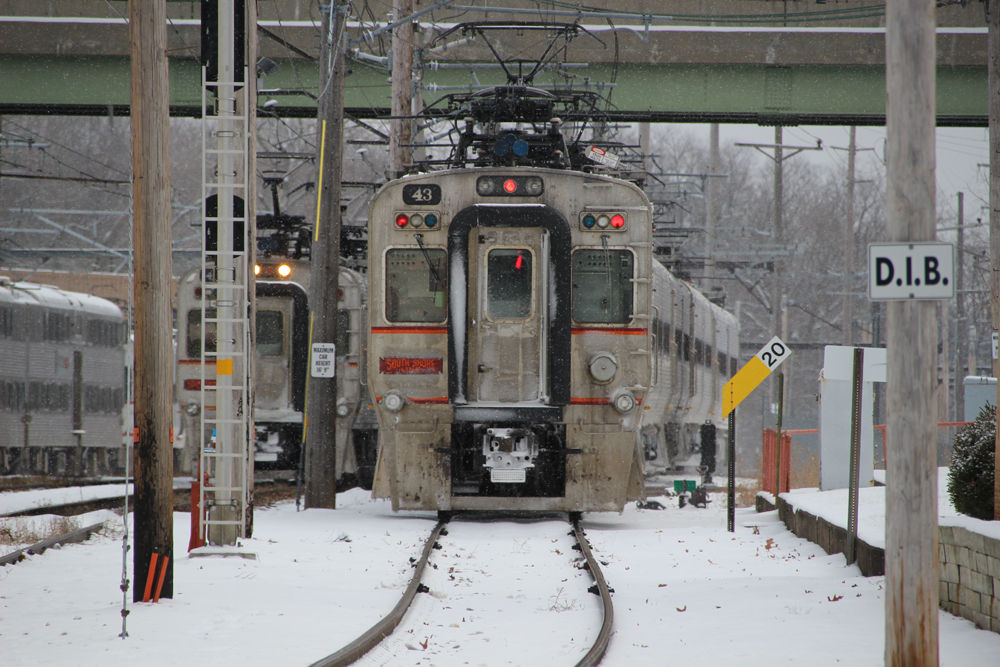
970	576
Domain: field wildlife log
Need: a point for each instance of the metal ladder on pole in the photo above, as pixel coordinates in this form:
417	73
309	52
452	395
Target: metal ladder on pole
225	457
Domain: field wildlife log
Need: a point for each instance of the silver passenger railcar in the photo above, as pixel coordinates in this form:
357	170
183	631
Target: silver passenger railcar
509	351
281	359
62	381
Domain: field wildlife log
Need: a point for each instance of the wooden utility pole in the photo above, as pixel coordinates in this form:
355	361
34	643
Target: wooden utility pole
711	202
402	86
154	495
847	337
778	229
321	393
961	340
993	109
911	532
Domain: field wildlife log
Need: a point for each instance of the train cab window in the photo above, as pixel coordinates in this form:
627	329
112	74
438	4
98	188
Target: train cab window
194	333
270	333
602	286
415	285
508	284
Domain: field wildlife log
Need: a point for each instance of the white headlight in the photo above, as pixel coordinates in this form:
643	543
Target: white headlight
624	403
603	367
192	409
393	402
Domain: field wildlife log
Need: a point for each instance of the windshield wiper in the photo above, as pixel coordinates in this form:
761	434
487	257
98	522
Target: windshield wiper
427	258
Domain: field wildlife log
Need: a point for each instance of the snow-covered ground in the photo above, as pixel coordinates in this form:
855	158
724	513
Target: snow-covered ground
20	501
685	591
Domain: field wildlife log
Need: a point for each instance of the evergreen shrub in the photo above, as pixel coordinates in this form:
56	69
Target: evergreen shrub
970	477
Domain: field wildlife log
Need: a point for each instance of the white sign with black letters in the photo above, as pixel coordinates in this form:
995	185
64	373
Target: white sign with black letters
324	360
911	271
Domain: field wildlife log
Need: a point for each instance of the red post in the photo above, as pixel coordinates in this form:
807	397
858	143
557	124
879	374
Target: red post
769	463
196	539
149	577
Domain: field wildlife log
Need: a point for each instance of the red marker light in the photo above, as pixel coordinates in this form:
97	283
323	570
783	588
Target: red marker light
517	264
617	221
401	220
509	185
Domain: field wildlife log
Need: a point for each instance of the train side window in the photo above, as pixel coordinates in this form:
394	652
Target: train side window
699	351
602	286
194	333
343	333
415	285
270	333
708	355
686	347
508	284
733	366
6	322
678	341
722	364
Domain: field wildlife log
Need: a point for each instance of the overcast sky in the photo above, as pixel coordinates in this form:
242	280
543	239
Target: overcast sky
959	152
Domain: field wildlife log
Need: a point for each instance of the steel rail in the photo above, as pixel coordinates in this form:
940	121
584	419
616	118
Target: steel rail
79	535
596	652
374	635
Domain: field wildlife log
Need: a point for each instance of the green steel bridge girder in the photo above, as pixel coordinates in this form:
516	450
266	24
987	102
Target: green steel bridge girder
771	95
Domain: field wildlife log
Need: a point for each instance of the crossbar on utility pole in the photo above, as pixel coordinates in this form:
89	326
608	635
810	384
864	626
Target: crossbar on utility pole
154	495
911	536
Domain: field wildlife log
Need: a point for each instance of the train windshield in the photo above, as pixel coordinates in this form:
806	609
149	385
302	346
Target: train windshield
508	280
415	285
194	333
602	286
270	333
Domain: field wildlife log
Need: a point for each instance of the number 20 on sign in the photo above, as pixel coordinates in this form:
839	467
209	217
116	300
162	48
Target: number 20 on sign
753	373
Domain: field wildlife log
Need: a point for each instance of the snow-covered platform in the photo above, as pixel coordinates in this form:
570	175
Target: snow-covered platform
969	549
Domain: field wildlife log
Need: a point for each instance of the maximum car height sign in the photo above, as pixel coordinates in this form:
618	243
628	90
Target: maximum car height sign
911	271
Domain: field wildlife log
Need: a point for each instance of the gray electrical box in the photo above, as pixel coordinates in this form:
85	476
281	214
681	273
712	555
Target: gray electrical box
978	392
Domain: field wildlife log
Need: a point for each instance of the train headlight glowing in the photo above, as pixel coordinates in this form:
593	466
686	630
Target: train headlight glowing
393	402
402	220
416	220
617	221
624	403
430	220
603	367
343	410
510	185
603	221
256	269
284	270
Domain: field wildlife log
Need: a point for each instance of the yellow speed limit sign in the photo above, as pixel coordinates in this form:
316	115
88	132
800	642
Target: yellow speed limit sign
753	373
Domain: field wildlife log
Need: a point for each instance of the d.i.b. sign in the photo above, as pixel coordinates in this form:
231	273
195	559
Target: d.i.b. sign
911	271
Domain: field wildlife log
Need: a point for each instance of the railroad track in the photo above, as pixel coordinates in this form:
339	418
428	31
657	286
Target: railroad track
383	630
